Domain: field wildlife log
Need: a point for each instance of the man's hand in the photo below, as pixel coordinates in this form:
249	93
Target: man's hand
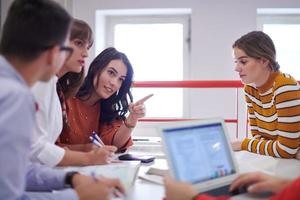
116	186
90	188
80	179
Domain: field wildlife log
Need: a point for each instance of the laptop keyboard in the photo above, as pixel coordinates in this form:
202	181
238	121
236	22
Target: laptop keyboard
224	190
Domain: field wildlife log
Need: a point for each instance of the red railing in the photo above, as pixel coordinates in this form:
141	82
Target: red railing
192	84
189	84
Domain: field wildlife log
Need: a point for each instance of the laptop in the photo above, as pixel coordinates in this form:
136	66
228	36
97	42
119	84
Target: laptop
199	152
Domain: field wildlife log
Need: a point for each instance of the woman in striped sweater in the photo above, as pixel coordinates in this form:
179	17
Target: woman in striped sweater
273	98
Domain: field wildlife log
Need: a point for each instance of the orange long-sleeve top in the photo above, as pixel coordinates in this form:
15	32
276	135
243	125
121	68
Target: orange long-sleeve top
82	120
274	117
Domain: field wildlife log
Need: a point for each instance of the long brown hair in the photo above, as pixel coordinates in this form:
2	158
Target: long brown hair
71	81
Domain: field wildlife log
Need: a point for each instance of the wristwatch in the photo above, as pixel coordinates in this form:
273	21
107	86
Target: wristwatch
68	179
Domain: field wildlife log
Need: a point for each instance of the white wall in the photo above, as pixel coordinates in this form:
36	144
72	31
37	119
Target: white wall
215	26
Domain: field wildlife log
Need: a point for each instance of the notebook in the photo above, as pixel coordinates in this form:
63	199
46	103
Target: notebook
199	152
125	171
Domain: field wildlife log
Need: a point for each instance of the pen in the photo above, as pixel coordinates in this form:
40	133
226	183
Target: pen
117	193
95	141
95	136
94	176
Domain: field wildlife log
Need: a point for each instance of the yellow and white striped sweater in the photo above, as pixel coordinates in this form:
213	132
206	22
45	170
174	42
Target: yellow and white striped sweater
274	117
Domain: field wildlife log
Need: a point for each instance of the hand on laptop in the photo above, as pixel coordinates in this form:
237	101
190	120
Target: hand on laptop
259	182
255	182
176	190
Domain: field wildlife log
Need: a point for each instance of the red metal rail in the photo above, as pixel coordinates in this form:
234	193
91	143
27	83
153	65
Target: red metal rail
188	84
191	84
178	119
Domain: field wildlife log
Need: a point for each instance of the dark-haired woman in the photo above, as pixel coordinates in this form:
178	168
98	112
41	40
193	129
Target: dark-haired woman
102	102
49	114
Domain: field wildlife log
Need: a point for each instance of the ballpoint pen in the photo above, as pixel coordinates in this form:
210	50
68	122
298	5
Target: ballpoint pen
95	141
93	175
95	136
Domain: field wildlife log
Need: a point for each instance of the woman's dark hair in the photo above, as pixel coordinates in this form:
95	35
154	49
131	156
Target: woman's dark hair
71	81
116	106
257	44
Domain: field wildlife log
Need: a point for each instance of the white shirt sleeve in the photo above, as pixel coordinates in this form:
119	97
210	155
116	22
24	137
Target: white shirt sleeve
49	125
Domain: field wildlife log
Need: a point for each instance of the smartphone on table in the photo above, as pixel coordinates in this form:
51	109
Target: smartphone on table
142	158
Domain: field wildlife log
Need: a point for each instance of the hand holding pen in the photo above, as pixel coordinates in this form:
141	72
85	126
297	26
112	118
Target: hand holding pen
97	139
108	151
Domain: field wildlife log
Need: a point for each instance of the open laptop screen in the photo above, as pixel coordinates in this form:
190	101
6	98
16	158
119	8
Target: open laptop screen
198	152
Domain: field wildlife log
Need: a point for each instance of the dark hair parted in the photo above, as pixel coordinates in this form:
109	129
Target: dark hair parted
257	44
32	27
116	106
71	81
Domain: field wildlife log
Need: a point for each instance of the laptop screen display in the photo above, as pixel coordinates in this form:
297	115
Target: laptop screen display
199	152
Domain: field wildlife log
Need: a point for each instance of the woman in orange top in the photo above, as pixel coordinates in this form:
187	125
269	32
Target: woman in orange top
102	102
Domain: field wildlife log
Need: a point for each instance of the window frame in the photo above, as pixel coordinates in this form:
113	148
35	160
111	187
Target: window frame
278	16
185	19
277	19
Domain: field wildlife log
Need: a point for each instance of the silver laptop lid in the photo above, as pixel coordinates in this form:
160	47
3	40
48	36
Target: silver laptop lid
199	152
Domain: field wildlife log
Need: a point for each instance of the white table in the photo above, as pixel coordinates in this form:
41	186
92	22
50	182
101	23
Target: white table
288	168
247	162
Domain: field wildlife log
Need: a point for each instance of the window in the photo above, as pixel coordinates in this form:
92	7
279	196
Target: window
157	46
283	26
